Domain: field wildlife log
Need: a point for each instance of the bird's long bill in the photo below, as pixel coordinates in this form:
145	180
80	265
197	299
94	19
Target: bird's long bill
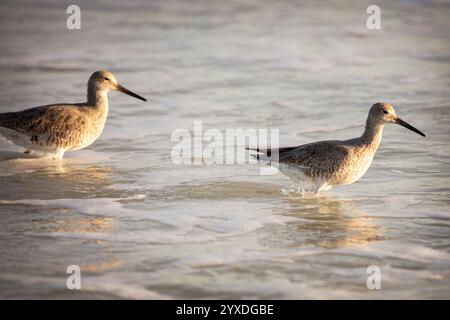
125	90
408	126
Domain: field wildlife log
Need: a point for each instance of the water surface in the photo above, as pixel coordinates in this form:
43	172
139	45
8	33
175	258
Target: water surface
140	226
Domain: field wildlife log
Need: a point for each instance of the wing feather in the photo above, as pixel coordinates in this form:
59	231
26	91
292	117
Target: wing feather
53	119
323	154
49	125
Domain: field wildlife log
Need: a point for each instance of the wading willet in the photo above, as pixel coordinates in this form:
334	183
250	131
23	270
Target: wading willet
57	128
333	163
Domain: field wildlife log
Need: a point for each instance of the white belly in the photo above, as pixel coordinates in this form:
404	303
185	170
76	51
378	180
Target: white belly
354	172
25	140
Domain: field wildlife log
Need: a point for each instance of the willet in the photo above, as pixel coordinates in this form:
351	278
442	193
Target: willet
332	163
57	128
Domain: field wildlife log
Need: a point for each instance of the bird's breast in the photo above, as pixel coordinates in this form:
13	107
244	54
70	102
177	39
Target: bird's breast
356	166
90	131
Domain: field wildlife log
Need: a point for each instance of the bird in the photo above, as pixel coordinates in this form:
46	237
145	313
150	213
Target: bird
57	128
333	162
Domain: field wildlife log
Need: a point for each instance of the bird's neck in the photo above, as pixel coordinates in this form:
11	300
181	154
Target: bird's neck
372	134
98	99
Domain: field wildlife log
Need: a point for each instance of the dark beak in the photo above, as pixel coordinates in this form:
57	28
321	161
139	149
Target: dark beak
408	126
125	90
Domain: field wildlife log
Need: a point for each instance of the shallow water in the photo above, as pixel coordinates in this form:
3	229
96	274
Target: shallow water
140	226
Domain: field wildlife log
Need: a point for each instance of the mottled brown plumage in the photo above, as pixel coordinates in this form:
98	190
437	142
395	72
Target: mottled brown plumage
57	128
332	163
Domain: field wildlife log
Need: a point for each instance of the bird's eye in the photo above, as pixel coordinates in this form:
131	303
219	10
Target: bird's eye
385	112
107	79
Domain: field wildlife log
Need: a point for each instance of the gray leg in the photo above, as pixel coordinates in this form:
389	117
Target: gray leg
321	186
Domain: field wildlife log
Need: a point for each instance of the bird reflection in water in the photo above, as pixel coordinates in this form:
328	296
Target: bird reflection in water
323	222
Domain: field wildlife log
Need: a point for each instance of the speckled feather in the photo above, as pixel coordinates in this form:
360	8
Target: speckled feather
57	126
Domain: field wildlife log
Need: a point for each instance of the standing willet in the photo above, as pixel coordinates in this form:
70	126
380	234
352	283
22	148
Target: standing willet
56	128
333	163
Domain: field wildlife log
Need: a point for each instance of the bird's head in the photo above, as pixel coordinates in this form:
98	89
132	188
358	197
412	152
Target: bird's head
382	113
105	81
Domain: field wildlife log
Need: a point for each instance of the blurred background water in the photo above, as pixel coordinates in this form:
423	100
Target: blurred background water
140	226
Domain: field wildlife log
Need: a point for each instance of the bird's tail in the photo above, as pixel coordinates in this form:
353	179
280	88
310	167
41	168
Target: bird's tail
265	155
5	119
